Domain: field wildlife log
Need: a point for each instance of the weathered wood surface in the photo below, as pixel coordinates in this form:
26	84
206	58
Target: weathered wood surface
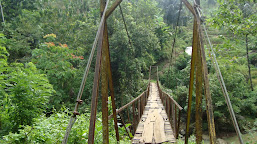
154	126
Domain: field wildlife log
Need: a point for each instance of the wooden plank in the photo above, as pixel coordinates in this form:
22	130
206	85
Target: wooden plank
159	132
147	135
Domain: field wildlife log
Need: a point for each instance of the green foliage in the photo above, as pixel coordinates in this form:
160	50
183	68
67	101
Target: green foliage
171	12
131	62
240	18
243	101
14	8
253	59
75	24
24	35
191	140
24	93
51	130
61	65
182	61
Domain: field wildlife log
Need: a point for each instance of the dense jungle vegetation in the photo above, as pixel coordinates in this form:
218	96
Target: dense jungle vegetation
45	45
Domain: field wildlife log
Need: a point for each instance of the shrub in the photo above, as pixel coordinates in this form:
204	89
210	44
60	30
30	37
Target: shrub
52	130
24	93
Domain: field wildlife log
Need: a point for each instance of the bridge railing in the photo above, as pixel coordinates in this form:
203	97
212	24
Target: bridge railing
135	108
173	109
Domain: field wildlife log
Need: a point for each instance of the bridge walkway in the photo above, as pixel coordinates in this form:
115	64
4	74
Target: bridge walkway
154	125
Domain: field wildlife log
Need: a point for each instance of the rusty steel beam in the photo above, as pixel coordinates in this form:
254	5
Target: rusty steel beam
104	88
104	81
189	6
112	8
198	106
207	93
96	79
95	90
113	103
198	91
112	92
209	111
191	83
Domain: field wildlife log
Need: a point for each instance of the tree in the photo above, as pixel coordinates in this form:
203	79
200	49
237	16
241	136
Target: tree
13	8
130	62
243	101
60	64
171	10
239	18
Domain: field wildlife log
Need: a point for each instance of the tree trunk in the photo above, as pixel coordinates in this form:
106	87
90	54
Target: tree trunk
249	68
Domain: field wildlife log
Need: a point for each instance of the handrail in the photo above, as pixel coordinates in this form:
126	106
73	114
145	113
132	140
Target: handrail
138	106
179	107
171	107
128	104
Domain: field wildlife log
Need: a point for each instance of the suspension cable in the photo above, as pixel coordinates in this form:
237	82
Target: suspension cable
124	22
222	83
176	29
82	86
174	40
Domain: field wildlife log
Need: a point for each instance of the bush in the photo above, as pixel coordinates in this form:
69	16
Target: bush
60	64
52	130
242	99
182	61
24	93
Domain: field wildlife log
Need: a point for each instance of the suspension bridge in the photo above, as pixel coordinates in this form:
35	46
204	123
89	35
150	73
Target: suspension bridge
155	114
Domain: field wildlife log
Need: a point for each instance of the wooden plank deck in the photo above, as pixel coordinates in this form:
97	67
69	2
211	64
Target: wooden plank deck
154	126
